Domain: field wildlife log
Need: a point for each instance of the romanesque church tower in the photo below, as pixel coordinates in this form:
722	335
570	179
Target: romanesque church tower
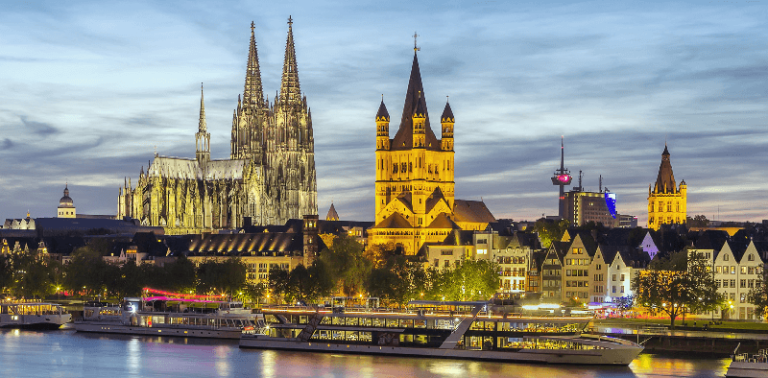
415	177
667	203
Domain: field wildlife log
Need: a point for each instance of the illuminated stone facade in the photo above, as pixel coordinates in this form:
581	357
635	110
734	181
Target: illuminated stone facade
269	178
414	178
667	203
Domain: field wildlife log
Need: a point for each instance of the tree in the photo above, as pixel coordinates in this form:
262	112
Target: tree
37	278
398	281
471	280
550	231
86	272
228	275
625	303
347	265
681	283
6	273
302	284
758	296
697	221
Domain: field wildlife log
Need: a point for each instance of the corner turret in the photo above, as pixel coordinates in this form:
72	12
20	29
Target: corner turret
447	122
382	127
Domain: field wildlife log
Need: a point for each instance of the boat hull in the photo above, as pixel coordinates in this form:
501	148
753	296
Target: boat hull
618	356
34	321
104	327
747	370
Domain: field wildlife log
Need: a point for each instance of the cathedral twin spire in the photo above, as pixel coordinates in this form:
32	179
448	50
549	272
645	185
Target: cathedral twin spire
289	87
253	94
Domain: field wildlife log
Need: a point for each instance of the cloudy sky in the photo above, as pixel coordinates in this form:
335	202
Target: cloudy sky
90	90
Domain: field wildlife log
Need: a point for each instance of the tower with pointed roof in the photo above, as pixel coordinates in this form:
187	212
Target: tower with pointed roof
203	137
667	203
414	191
269	177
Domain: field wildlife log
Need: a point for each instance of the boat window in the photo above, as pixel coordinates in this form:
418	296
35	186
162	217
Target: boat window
303	319
337	335
352	321
393	322
366	322
366	337
351	335
326	320
406	323
420	323
406	339
378	322
421	339
338	321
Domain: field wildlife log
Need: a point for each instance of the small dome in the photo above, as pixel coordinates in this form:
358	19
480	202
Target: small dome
66	201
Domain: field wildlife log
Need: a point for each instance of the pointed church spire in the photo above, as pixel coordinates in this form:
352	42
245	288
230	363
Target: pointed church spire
332	214
289	88
202	137
665	181
253	92
382	114
202	126
414	100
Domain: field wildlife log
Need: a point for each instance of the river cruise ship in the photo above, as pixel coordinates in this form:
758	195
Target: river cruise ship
179	315
466	330
33	315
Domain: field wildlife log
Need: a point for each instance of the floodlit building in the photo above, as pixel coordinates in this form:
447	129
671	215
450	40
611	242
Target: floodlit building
667	203
269	178
414	192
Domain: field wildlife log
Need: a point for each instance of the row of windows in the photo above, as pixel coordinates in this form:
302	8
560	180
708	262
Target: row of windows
660	206
576	273
744	270
576	261
512	260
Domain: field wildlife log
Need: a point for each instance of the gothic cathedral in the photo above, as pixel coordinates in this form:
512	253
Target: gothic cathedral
269	178
666	202
415	202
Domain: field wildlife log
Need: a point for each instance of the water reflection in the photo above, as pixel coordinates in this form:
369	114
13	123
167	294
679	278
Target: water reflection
67	354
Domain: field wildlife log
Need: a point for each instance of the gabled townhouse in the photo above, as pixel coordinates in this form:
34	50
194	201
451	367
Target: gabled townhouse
598	271
738	268
552	272
512	253
534	273
625	264
576	261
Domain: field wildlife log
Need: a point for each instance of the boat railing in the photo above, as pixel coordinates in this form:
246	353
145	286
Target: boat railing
760	357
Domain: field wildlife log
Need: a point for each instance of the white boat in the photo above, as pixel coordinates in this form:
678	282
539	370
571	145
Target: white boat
33	315
168	316
438	329
745	366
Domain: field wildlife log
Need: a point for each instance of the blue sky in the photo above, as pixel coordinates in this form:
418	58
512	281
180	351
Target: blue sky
89	90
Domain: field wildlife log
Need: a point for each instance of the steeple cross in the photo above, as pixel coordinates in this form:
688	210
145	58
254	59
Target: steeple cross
290	21
415	47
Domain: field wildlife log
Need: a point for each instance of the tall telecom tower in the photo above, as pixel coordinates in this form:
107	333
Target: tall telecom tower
561	178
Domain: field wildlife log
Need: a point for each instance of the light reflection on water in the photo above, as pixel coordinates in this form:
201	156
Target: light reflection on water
69	354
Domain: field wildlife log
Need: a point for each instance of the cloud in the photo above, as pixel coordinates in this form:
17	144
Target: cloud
101	88
41	129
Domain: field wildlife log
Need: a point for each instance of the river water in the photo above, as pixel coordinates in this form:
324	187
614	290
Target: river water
65	353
